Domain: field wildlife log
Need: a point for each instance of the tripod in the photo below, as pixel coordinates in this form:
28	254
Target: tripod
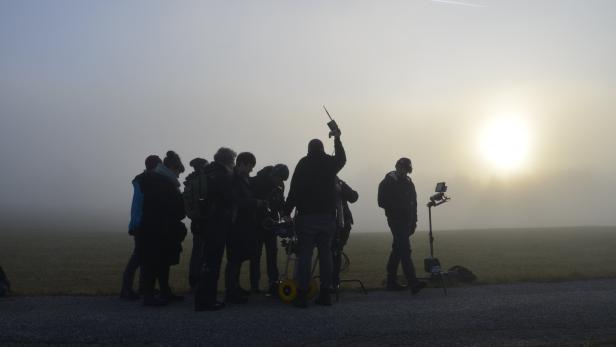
432	265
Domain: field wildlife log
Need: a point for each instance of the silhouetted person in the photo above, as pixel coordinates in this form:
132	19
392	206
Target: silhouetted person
398	197
313	193
160	235
196	204
344	223
218	223
268	185
242	239
136	210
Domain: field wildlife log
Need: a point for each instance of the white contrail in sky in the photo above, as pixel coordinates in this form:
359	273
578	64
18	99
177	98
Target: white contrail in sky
458	3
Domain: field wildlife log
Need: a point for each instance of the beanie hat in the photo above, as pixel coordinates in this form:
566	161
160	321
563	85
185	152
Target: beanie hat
173	161
281	170
151	162
198	163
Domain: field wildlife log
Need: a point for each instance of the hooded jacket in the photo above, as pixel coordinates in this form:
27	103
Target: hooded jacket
398	197
313	189
161	231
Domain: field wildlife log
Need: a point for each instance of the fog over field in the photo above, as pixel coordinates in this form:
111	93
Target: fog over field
89	89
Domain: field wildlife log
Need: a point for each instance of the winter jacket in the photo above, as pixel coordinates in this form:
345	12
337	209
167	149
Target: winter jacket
136	207
161	232
244	209
312	188
220	197
398	197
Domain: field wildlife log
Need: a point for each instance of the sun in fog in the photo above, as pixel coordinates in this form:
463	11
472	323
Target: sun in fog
505	143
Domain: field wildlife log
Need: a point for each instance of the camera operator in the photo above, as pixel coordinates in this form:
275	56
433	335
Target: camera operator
268	185
136	210
313	192
344	223
398	197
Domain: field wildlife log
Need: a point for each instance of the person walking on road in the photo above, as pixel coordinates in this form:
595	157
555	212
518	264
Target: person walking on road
397	196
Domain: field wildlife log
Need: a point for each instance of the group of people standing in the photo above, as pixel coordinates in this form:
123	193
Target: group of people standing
228	210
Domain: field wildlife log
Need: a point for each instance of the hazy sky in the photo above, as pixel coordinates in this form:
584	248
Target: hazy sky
89	88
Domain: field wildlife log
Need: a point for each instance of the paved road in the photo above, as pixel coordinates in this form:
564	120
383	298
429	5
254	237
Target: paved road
530	314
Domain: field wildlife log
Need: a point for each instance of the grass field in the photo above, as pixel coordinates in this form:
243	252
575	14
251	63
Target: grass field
91	263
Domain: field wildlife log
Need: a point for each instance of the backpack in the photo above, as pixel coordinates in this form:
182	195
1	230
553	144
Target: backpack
5	286
462	274
196	195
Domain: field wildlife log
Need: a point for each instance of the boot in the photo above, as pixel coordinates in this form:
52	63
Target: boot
167	295
151	300
301	300
216	306
324	298
417	286
393	285
273	290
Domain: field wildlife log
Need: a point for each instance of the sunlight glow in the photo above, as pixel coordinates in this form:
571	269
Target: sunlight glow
505	143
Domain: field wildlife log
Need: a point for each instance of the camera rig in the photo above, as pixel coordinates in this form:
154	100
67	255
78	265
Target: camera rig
432	265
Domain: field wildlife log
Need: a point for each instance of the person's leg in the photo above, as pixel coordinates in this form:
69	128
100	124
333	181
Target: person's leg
128	277
205	296
337	263
403	248
255	267
305	246
327	228
150	273
196	258
271	255
394	258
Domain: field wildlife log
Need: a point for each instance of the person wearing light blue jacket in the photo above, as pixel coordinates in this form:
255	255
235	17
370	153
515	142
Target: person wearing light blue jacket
136	210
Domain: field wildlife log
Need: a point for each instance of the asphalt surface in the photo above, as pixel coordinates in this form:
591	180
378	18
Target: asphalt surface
581	313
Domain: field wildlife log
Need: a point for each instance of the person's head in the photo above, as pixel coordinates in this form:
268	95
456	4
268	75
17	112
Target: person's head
173	162
245	162
315	146
280	173
198	164
226	157
404	167
151	162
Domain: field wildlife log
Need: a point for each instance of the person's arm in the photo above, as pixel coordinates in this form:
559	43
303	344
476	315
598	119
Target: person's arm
136	208
292	197
413	203
340	155
382	195
347	193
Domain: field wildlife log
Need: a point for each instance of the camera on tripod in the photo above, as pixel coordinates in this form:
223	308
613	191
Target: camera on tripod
432	265
440	197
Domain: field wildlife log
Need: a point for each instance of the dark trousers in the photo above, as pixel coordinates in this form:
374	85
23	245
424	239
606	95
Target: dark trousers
401	250
214	248
196	258
271	257
152	272
314	230
129	273
239	249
